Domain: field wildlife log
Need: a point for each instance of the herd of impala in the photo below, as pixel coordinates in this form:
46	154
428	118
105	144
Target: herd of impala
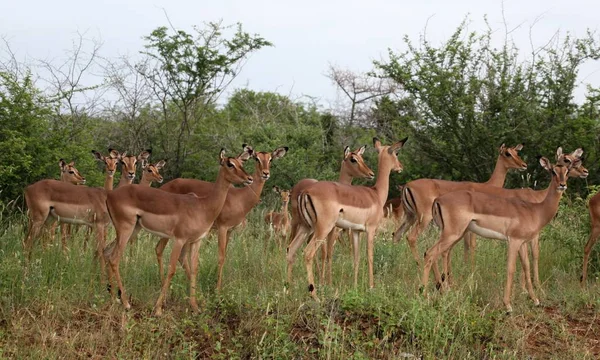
185	210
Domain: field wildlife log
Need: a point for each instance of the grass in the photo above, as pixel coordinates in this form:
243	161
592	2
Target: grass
59	309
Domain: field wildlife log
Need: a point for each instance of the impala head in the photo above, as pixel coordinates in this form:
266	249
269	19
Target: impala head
129	162
355	165
110	162
559	173
510	157
234	171
69	173
151	172
570	160
389	154
285	194
264	159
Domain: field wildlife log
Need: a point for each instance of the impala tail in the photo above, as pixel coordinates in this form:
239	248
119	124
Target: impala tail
437	215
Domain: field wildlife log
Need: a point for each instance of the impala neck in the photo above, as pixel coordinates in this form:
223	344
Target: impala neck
124	180
549	206
499	175
108	182
252	192
145	181
382	185
284	212
344	178
216	199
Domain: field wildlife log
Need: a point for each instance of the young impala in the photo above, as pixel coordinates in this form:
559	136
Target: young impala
280	221
510	219
184	218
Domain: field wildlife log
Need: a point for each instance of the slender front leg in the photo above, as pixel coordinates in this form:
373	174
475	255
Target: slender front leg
513	249
159	249
524	255
223	242
356	250
193	249
370	256
176	250
595	233
414	235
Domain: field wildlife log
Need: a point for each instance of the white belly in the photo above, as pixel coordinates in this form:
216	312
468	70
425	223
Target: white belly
75	221
485	232
345	224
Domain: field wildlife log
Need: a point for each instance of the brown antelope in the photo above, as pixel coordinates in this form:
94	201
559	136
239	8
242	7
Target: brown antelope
325	205
532	196
68	174
594	206
151	173
238	203
510	219
418	195
110	163
353	166
66	203
185	218
280	221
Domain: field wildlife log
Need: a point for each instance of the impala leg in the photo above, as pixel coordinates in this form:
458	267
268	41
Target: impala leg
314	244
193	249
370	255
327	251
100	236
33	233
175	251
184	259
113	254
299	236
159	249
524	255
535	252
513	250
446	242
406	223
223	242
65	230
414	235
356	251
588	250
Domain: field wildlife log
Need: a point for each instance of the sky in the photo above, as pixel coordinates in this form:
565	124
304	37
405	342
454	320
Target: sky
308	35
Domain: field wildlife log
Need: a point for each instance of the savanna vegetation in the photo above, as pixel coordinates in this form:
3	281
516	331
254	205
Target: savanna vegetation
457	102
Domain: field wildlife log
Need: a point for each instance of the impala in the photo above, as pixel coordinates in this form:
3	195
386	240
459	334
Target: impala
594	206
110	166
280	221
510	219
533	196
68	174
238	203
66	203
418	195
185	218
353	166
325	205
128	166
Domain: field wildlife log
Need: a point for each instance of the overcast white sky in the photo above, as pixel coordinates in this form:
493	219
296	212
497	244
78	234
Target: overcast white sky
308	35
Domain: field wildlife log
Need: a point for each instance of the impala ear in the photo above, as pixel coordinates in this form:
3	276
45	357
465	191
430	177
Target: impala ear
159	165
559	152
222	156
114	154
545	163
377	144
346	151
361	150
62	163
144	155
72	163
577	153
144	163
276	189
98	156
519	147
397	146
279	152
502	148
246	153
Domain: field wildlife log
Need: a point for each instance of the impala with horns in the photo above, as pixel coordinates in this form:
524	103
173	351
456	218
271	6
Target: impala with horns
418	195
184	218
510	219
238	203
325	205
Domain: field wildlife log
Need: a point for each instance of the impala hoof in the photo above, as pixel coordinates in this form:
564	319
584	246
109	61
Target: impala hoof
438	286
421	289
443	277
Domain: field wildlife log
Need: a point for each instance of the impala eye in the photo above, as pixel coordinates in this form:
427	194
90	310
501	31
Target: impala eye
149	170
230	164
507	154
71	172
567	161
353	160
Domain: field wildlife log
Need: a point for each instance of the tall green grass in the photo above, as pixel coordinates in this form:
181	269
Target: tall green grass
57	306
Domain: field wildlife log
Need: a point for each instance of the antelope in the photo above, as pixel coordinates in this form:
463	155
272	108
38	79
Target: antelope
128	166
280	221
185	218
68	174
353	166
69	204
418	195
110	164
594	206
325	205
532	196
151	173
510	219
238	203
